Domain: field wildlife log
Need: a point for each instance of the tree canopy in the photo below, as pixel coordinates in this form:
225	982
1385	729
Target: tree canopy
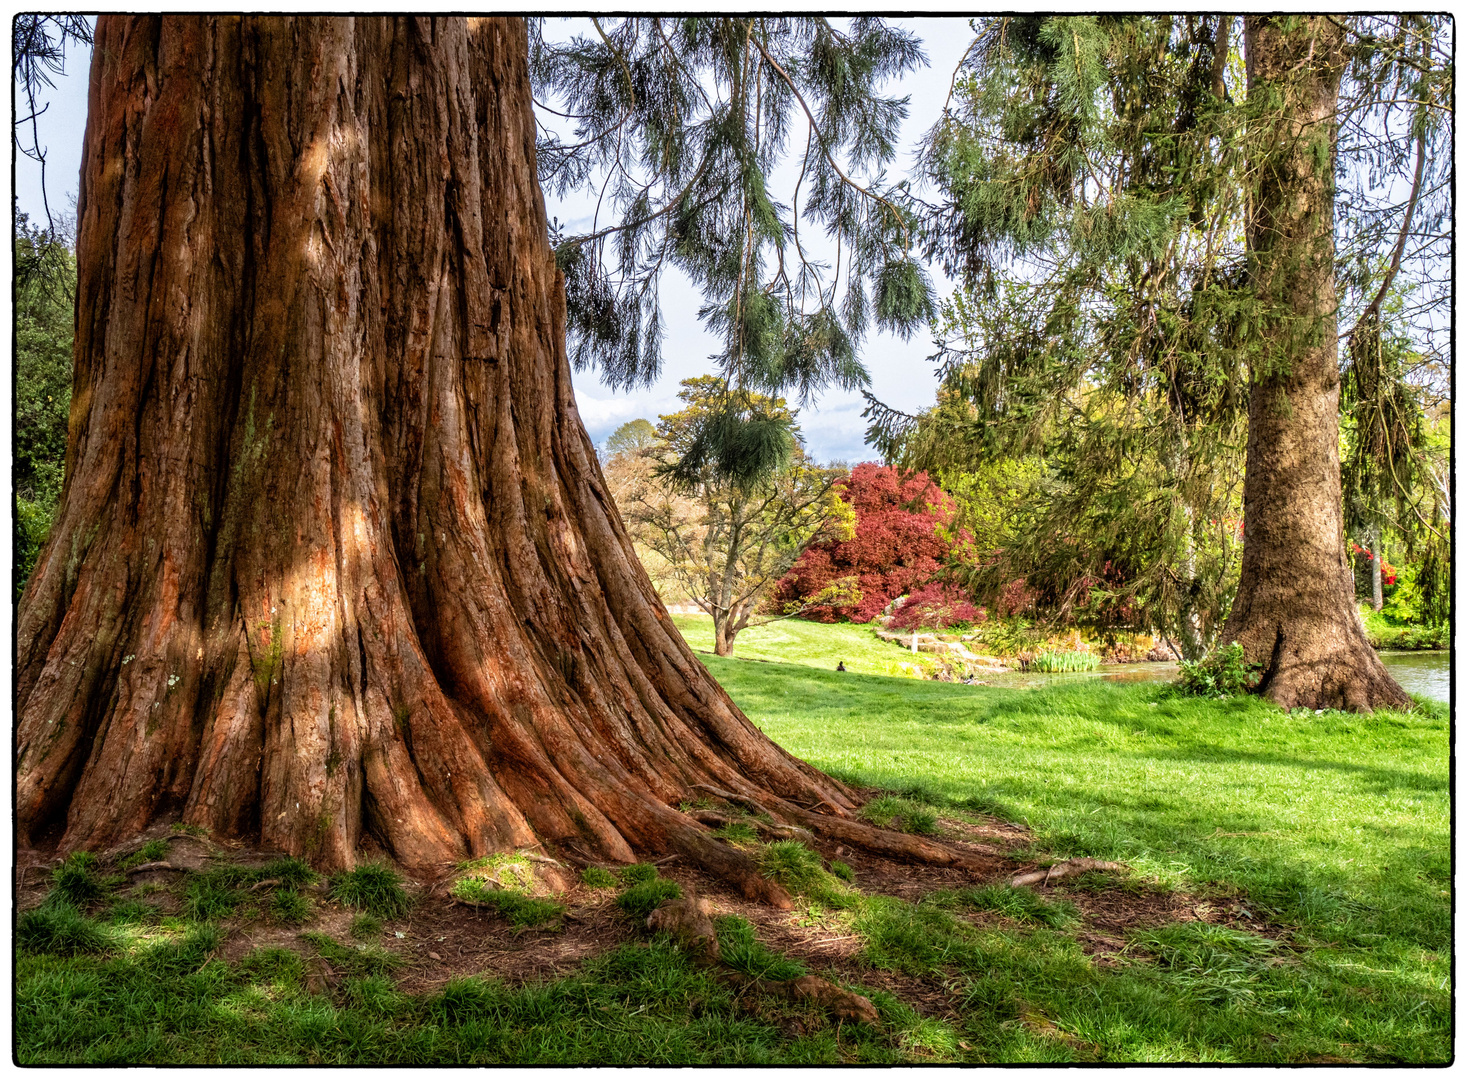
679	127
45	295
1098	178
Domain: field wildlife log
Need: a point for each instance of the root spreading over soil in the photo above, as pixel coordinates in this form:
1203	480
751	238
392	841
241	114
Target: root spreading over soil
439	940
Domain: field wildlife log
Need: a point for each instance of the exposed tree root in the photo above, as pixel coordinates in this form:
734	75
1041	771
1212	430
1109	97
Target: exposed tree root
143	868
686	920
783	832
841	1003
1068	868
728	796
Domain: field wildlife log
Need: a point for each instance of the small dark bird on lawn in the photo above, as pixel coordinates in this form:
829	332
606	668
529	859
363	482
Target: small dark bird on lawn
840	666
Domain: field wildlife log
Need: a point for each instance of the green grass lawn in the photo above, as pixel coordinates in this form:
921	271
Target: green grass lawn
793	641
1335	825
1331	830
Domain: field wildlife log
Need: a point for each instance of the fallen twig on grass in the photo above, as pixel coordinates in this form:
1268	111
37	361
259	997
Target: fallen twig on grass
141	867
1067	868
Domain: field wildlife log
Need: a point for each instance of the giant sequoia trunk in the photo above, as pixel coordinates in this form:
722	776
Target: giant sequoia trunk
335	564
1295	609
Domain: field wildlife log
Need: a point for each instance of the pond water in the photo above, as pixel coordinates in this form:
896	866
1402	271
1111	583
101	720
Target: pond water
1427	672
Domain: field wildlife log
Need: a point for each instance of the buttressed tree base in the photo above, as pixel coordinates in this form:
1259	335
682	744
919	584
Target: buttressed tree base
335	559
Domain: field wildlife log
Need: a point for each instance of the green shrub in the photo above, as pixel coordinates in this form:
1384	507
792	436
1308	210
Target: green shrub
374	887
638	872
171	959
78	880
152	851
288	870
58	928
640	900
1409	637
132	911
32	527
738	832
922	821
358	960
791	864
882	811
214	894
738	949
598	877
1007	637
1051	660
376	994
894	812
1226	673
842	871
519	909
273	965
289	906
364	927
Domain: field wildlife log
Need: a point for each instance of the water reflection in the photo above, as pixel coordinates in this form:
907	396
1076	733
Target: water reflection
1427	672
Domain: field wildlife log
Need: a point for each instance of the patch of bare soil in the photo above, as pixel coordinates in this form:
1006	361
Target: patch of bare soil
441	939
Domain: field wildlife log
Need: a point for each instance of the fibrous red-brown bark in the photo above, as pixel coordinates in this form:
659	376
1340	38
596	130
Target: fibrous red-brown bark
1295	609
335	560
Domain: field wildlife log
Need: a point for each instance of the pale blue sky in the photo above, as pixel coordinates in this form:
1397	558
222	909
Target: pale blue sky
900	373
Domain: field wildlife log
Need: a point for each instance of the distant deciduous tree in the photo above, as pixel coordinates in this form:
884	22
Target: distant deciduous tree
723	544
633	435
904	535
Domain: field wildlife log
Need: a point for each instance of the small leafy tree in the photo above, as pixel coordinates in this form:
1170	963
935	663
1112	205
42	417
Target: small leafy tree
904	535
722	542
634	435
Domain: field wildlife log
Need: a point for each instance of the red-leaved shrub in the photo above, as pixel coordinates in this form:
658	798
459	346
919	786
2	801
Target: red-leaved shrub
1014	597
903	536
936	607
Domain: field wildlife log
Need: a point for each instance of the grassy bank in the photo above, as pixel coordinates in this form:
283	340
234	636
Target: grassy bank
794	641
1385	632
1324	839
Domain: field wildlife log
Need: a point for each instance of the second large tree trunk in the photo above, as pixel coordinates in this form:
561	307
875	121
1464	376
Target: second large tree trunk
1295	609
335	567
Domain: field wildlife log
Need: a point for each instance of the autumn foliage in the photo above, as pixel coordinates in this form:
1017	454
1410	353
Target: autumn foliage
936	606
904	535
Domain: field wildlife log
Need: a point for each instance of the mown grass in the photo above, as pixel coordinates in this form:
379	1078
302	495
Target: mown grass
175	1005
794	641
1331	828
1333	825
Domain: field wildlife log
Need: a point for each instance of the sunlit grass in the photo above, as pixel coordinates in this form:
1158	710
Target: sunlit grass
1331	831
795	641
